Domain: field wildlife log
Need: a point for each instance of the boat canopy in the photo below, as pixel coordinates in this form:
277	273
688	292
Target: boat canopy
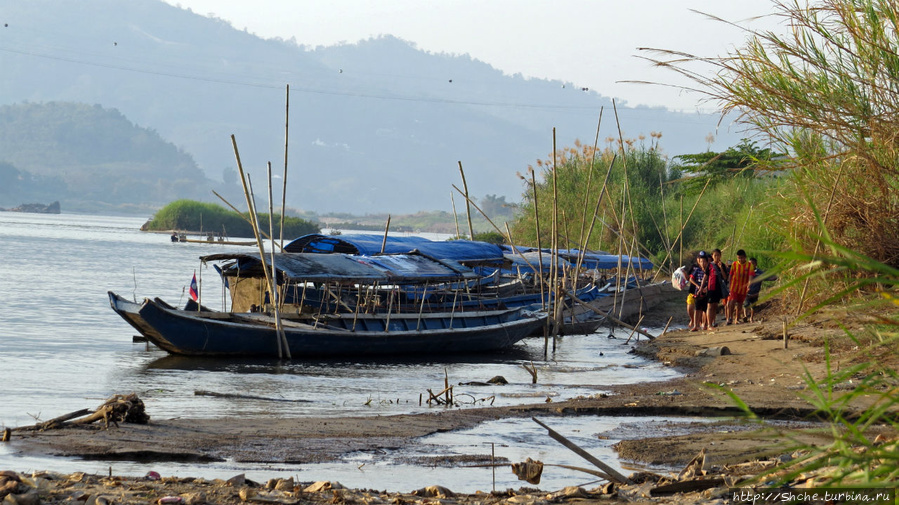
526	262
600	260
308	267
465	251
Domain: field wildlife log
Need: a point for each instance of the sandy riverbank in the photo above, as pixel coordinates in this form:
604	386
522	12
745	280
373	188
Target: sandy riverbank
757	368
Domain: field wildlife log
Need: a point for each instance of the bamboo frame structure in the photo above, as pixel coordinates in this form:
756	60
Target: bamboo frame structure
247	187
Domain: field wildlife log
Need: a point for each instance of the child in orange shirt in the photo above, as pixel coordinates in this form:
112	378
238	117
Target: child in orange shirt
741	272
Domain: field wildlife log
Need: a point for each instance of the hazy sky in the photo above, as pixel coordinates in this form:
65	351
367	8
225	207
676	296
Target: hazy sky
590	43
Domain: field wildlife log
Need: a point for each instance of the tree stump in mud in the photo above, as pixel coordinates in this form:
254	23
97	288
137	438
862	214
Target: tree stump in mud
120	408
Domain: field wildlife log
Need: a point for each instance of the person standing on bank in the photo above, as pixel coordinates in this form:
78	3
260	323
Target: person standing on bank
755	287
741	274
694	279
716	279
698	280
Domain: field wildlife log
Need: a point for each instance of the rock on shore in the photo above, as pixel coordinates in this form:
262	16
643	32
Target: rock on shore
35	208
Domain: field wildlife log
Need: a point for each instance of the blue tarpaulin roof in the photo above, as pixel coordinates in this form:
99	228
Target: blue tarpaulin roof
395	269
600	260
604	261
466	251
370	244
530	261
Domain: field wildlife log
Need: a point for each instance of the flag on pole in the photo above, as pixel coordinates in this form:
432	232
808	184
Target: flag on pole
194	293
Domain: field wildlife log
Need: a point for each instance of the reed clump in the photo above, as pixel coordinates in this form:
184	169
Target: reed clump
826	94
629	197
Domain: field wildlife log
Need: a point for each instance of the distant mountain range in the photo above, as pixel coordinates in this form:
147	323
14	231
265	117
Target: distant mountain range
376	126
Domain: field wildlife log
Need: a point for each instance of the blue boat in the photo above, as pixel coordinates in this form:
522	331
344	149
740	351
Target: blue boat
358	332
224	334
516	270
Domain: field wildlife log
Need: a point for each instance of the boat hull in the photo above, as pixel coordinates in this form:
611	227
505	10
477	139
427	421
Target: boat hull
204	333
585	318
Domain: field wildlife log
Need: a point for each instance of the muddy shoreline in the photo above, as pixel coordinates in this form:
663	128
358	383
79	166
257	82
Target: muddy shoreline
756	367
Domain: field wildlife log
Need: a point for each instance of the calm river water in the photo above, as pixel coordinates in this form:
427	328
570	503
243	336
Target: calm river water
64	349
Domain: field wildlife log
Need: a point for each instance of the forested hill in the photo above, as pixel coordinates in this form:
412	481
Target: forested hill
82	155
375	125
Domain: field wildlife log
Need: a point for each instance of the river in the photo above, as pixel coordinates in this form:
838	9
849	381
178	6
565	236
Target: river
64	349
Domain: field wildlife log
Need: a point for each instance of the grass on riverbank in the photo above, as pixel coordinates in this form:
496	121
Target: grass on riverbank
190	215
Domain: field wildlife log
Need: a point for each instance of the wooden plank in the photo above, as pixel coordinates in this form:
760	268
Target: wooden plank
246	397
56	421
616	477
687	486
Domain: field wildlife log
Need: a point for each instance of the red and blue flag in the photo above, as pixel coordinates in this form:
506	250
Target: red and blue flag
194	292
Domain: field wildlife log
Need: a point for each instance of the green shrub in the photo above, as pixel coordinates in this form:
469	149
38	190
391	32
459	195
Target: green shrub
200	217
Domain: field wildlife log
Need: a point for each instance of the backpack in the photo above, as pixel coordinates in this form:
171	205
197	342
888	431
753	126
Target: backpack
723	286
679	279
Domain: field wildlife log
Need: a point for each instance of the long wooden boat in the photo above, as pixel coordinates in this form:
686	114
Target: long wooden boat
516	263
209	333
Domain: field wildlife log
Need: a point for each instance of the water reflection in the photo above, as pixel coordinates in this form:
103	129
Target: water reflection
270	365
64	349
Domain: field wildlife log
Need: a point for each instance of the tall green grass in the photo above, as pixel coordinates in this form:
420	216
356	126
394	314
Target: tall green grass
859	399
826	93
646	203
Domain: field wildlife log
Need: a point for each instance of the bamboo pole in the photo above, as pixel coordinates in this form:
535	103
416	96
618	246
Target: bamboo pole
634	331
630	204
665	216
629	200
255	225
627	184
614	474
665	330
265	235
602	193
356	308
680	234
539	247
284	181
554	268
495	227
540	281
680	239
386	229
446	385
467	204
582	240
455	215
389	308
471	203
275	295
610	316
615	301
421	309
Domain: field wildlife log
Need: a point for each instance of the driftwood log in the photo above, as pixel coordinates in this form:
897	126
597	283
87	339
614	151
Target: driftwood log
201	392
117	409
